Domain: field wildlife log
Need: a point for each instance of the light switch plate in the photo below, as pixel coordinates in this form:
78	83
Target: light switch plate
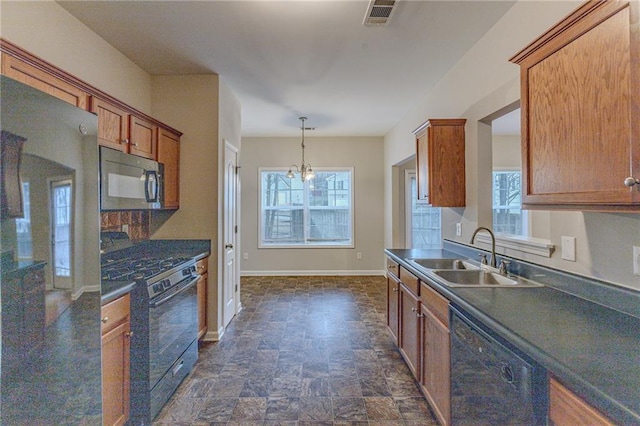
636	260
458	229
569	248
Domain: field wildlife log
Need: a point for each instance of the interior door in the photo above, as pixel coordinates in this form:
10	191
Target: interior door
230	278
61	232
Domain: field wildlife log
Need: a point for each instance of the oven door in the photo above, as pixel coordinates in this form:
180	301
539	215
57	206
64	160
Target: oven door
173	326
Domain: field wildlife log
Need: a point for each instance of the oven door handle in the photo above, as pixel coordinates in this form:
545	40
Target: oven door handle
165	299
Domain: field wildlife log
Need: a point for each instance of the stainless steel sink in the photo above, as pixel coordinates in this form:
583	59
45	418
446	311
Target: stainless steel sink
480	278
456	264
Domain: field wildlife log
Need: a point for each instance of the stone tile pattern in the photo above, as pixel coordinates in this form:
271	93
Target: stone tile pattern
305	351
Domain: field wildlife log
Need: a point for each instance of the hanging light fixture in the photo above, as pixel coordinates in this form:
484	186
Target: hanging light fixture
305	170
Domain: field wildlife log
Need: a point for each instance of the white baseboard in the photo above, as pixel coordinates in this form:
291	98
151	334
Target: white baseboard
311	273
85	289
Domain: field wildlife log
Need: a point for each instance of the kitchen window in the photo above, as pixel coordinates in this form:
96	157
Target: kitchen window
313	213
423	230
508	216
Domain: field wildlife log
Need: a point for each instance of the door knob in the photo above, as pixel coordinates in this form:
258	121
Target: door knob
630	181
228	246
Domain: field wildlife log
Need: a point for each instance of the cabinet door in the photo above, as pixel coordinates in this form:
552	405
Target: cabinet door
202	305
113	125
393	289
440	157
422	166
143	138
410	329
568	409
580	83
41	80
116	344
169	155
436	371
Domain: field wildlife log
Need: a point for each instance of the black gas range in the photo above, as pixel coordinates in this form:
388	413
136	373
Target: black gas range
164	321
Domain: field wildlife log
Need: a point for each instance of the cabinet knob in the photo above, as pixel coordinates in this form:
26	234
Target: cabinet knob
129	334
630	181
135	144
125	141
419	315
200	267
395	289
414	310
105	319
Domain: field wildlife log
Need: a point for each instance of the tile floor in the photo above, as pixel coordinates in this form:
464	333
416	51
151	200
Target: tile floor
306	351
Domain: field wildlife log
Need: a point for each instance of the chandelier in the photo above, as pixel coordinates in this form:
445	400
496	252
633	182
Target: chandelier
305	170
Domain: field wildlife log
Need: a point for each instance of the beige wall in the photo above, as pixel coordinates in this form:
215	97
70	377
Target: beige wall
50	32
482	83
365	155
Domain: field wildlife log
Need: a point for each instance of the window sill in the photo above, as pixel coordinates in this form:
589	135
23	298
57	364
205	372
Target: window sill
537	246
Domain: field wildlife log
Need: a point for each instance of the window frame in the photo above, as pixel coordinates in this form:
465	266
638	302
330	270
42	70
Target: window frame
306	208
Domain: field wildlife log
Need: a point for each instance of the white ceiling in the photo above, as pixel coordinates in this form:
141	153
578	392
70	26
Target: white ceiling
284	59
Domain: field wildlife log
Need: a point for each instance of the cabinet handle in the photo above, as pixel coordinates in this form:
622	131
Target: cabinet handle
630	181
228	246
105	319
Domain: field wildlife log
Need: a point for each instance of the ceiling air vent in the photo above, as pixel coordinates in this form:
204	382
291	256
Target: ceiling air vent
379	12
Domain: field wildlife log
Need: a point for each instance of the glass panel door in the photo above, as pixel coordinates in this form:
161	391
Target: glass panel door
61	228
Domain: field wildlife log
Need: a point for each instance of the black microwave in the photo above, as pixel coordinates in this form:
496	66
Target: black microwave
129	182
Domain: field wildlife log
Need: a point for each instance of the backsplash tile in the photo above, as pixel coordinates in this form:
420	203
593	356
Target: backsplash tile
134	222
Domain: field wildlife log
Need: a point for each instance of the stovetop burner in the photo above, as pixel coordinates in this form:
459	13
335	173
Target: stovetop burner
139	269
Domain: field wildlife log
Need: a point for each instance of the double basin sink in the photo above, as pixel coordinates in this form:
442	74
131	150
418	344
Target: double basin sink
463	273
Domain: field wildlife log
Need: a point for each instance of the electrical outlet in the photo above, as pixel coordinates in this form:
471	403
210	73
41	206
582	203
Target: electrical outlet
359	255
569	248
458	229
125	228
636	260
245	256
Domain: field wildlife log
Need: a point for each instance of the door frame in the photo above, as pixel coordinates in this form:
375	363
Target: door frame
67	282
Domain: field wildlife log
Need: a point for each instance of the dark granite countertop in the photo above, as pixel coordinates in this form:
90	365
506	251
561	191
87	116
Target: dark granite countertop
592	348
11	269
111	290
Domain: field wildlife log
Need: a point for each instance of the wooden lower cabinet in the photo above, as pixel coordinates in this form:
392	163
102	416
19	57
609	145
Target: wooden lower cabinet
202	268
436	375
568	409
116	360
410	330
393	291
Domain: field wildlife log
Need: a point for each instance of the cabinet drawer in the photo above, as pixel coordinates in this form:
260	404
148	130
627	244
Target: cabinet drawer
410	281
202	266
393	267
114	313
437	304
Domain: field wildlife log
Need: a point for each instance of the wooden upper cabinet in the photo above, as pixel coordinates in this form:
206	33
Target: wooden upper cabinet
440	162
143	137
169	155
32	76
580	100
113	124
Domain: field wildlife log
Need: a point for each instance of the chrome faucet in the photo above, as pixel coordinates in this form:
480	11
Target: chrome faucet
493	243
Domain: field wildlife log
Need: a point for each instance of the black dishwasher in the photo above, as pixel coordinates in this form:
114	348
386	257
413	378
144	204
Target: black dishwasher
492	383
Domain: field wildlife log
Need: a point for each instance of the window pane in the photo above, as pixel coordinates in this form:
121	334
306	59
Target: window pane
283	226
329	225
425	222
23	227
280	191
507	203
315	212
